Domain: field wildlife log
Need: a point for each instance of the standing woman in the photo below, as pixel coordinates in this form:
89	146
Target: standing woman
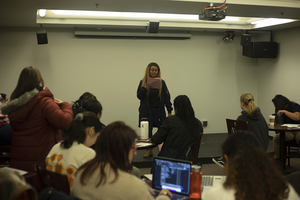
36	119
153	101
257	123
290	112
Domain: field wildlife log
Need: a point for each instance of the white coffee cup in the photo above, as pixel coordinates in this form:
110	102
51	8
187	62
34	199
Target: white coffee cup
271	119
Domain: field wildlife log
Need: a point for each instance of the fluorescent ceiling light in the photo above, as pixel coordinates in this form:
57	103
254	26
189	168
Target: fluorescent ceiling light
271	22
125	14
139	19
42	12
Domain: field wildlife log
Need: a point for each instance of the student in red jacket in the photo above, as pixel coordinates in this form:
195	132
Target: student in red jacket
36	119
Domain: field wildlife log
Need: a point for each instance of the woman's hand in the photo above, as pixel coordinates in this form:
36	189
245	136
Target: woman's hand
279	112
147	86
169	114
166	192
151	191
57	101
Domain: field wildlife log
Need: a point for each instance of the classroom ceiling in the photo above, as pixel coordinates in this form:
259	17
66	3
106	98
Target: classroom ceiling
22	13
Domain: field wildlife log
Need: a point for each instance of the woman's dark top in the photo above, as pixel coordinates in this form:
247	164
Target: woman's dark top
176	136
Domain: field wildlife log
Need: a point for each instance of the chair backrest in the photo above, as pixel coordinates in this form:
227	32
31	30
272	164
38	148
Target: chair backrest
234	125
47	178
193	155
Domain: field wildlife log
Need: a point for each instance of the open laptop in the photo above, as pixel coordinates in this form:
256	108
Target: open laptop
208	182
173	175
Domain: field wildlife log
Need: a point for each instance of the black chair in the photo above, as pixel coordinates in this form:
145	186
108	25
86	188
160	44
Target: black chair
193	155
47	178
233	125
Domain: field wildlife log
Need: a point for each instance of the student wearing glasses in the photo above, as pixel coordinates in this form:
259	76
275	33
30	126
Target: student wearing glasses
153	101
106	176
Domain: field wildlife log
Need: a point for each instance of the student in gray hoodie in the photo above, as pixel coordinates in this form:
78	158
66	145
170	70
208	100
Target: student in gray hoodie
257	123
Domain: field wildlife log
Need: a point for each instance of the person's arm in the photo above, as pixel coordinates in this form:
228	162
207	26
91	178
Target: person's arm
167	99
294	116
141	91
162	133
57	113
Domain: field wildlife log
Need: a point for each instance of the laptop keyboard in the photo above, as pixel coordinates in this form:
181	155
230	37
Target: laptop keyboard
207	181
174	197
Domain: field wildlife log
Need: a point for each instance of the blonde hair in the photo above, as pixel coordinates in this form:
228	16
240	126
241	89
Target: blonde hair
147	74
248	100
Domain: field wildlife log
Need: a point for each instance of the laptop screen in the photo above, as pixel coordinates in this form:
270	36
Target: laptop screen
171	174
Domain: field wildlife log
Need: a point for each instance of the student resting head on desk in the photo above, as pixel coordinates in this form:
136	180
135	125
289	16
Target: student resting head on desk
290	113
106	176
251	173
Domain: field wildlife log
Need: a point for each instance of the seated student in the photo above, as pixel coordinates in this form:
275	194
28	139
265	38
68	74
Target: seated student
77	105
67	156
251	173
257	123
106	176
290	112
178	132
13	187
5	127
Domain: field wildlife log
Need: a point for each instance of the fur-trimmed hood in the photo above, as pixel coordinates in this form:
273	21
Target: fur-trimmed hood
18	102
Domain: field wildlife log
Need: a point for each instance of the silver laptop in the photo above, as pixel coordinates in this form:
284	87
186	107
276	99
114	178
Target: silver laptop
173	175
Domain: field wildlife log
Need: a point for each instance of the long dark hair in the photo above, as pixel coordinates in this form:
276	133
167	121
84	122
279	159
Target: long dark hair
112	147
76	129
281	102
251	172
183	108
29	79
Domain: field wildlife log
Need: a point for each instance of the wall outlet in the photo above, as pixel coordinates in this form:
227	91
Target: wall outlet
204	123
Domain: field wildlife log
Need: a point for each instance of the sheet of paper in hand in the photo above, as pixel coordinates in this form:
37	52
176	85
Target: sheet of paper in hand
154	82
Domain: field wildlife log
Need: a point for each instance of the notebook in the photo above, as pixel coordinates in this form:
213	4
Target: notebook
173	175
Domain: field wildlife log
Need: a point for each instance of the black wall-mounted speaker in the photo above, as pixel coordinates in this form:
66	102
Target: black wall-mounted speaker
246	40
261	50
153	27
42	38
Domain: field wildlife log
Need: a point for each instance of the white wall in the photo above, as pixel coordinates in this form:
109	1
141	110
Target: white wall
213	73
281	75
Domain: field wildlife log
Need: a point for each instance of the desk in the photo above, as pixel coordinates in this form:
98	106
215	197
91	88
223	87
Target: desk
144	144
282	130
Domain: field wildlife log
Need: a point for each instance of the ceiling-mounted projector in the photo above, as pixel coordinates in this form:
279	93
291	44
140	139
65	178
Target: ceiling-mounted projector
212	14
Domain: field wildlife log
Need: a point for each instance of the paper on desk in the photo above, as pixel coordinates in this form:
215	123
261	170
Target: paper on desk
21	172
292	125
142	144
154	82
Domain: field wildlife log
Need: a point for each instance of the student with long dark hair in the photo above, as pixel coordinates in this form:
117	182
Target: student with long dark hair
251	173
153	101
67	156
37	119
77	105
179	131
290	113
106	176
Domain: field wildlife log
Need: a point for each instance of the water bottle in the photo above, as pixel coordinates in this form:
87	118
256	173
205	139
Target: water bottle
144	126
195	183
